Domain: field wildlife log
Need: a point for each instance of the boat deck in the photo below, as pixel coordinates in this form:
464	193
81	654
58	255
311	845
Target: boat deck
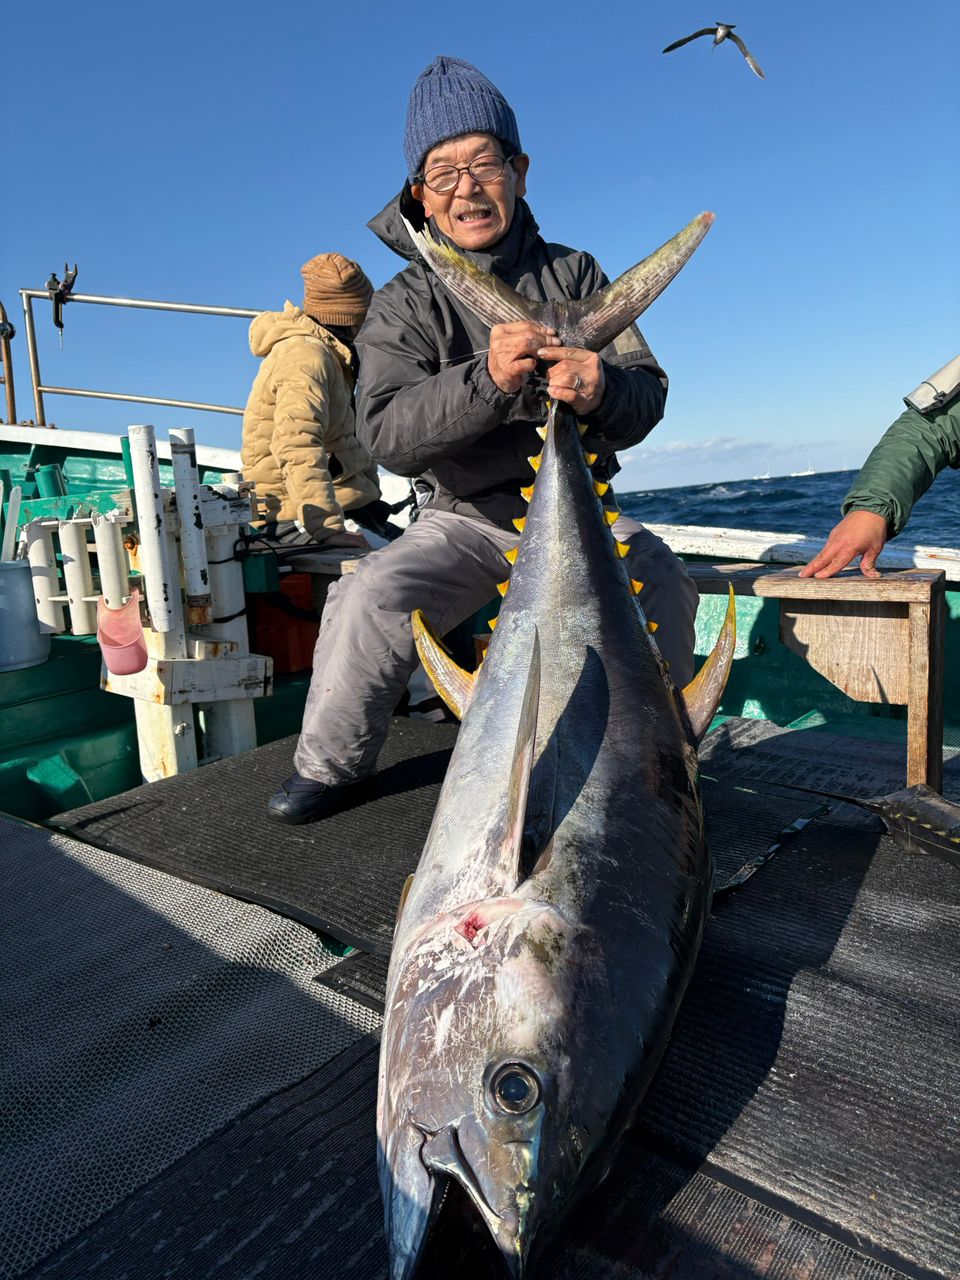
190	1083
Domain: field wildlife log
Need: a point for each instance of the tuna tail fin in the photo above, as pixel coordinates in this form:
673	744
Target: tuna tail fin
454	685
597	320
590	322
488	298
702	695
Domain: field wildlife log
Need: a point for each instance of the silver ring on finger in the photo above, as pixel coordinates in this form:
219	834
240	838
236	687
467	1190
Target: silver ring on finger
577	382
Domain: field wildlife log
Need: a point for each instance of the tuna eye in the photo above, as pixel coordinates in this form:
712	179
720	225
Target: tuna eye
515	1089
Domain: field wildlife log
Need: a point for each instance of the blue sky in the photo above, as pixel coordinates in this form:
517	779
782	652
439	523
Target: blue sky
201	152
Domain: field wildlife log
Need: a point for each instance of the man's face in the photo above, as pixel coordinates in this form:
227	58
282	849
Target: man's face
471	215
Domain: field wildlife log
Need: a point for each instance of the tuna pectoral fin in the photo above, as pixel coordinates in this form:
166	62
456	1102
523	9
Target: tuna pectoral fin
599	319
488	298
702	695
453	684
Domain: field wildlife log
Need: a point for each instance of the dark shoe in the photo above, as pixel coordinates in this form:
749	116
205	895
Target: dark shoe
303	800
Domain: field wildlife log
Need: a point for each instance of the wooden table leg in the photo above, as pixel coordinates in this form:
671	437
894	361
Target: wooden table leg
925	706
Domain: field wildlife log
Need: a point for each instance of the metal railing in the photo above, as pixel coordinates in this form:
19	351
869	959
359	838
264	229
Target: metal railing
7	331
40	389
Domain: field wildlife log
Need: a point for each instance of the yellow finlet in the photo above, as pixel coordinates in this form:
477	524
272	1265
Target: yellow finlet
600	487
535	461
652	627
511	555
590	458
637	586
542	432
582	428
611	515
502	587
623	548
519	522
526	493
492	623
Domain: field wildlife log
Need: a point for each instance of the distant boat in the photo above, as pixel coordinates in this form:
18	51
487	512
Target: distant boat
809	471
765	476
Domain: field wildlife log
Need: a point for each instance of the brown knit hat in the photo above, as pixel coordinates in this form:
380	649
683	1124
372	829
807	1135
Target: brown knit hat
335	290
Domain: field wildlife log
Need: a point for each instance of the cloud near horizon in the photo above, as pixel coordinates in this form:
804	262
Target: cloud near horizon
674	448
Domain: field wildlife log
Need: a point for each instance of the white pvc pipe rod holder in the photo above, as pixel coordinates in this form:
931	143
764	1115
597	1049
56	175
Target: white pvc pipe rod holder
161	582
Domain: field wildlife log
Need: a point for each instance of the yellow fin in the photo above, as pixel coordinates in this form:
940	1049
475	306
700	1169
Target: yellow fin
611	515
502	587
492	623
511	555
527	492
589	458
652	627
702	695
637	586
519	522
600	487
454	685
623	548
404	893
542	432
535	462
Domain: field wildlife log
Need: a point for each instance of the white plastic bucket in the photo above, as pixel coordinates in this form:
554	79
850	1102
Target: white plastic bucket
22	644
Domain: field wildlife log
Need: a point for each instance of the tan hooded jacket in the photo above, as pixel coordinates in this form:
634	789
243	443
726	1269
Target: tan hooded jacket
299	440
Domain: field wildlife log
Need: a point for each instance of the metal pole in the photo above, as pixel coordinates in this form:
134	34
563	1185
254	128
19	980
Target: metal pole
146	304
117	395
6	329
32	356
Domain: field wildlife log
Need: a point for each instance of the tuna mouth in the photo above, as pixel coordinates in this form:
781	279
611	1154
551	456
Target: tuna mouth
458	1245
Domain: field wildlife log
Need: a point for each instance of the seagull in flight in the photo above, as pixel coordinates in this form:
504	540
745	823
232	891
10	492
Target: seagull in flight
722	31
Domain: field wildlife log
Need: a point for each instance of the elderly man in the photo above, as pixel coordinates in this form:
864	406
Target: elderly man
446	400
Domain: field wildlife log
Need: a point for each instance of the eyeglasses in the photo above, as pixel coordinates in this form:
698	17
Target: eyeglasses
444	177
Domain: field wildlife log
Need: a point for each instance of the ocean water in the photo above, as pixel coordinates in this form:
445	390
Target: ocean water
808	505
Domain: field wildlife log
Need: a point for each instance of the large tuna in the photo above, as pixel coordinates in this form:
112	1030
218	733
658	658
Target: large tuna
548	936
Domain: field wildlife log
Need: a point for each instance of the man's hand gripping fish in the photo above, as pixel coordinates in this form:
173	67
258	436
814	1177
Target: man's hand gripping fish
547	938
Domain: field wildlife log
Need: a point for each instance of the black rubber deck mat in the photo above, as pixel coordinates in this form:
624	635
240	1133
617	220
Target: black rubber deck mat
360	976
289	1192
762	751
814	1061
343	875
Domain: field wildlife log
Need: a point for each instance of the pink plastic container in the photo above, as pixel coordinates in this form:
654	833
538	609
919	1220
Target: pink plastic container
120	636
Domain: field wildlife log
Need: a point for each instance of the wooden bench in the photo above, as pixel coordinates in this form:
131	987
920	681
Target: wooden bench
878	640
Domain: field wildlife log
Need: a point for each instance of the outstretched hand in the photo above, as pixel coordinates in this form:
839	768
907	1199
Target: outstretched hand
859	533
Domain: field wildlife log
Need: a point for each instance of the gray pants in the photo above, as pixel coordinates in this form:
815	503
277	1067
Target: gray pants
449	566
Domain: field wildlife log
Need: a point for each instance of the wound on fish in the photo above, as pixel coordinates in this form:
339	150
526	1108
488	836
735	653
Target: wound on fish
471	926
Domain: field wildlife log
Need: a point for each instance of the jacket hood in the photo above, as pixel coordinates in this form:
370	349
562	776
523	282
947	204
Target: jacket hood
506	253
271	327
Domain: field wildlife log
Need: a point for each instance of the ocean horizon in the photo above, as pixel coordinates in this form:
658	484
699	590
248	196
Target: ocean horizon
800	504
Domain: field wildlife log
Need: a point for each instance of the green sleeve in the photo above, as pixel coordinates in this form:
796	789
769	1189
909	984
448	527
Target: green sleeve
905	463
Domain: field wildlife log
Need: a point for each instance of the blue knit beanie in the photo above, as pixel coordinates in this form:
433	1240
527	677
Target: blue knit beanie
451	98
